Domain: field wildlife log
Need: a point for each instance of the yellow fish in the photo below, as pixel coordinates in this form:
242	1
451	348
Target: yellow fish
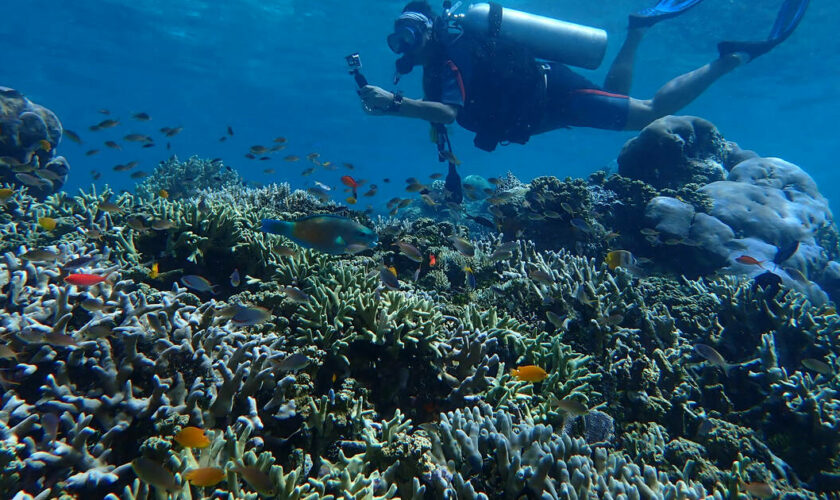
155	272
47	223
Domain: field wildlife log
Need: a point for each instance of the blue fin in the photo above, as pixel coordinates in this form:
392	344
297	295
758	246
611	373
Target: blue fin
788	18
665	9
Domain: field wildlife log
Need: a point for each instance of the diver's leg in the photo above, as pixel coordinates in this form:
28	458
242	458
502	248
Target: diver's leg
620	77
679	92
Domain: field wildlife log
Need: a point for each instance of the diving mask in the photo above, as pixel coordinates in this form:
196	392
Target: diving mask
409	30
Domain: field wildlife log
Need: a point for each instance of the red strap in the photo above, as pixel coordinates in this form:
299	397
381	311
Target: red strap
598	92
458	78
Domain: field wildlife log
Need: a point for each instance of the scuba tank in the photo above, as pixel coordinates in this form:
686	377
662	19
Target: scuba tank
547	38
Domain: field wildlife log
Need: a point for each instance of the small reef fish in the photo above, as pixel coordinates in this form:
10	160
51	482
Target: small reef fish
571	406
47	223
250	316
409	251
45	145
205	476
83	280
351	183
163	194
73	136
154	272
758	489
235	279
31	180
611	320
153	473
462	245
95	175
171	131
110	207
470	277
529	373
60	339
143	117
580	225
295	294
91	152
284	251
199	283
192	437
257	479
554	319
712	356
230	130
330	234
541	276
818	366
749	261
432	260
620	258
291	158
138	138
139	174
40	255
291	363
388	276
113	145
6	352
162	225
350	200
78	262
5	194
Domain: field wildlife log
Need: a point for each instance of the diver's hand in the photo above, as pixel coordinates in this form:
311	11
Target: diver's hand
375	100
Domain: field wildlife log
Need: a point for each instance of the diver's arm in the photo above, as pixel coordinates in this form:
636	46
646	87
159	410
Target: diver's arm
377	101
435	112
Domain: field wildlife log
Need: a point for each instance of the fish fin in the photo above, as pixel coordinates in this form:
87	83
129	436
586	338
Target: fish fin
340	241
281	227
215	289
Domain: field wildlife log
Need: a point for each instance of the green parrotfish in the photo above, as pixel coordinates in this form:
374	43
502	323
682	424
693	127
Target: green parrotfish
331	234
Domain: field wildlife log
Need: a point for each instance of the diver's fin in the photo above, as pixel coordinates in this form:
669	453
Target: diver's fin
665	9
790	14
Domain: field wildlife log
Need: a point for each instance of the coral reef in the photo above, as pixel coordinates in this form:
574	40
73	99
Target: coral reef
29	135
482	365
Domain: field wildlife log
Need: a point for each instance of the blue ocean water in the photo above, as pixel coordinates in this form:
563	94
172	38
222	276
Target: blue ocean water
272	68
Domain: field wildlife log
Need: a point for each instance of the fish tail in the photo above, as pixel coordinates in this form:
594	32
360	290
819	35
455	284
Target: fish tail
274	226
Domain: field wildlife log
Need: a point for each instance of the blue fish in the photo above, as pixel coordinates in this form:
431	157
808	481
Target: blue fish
330	234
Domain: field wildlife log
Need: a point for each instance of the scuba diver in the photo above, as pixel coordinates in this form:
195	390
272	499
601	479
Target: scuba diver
504	74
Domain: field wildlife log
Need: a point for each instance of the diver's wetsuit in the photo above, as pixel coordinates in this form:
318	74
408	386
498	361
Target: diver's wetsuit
571	99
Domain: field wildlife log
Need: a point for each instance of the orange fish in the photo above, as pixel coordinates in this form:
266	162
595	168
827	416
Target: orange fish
432	260
529	373
163	193
192	437
750	261
351	200
45	145
351	183
205	476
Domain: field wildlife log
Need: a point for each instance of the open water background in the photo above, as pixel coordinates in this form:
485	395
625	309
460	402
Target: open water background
271	68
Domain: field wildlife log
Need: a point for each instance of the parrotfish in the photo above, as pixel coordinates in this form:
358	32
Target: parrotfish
330	234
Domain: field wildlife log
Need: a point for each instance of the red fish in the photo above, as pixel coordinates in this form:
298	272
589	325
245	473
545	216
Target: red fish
351	183
432	260
84	279
750	261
